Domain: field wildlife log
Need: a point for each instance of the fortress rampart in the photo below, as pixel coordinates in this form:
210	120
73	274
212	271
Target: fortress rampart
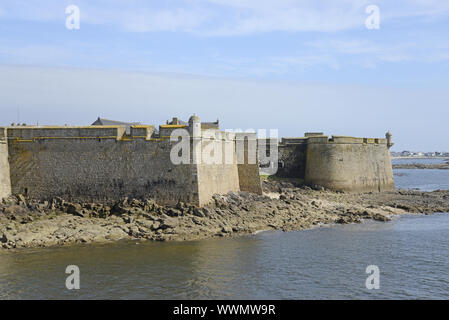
5	183
105	163
338	163
96	165
349	164
248	166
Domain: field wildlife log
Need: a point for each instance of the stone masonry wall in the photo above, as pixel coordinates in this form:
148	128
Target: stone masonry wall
248	171
5	183
221	176
349	164
292	158
98	168
101	163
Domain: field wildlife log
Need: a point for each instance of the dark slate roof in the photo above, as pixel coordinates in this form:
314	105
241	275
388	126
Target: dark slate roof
107	122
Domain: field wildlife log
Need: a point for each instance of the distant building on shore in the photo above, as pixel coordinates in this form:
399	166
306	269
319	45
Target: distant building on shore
419	154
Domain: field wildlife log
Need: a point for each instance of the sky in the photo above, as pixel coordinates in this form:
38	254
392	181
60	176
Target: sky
291	65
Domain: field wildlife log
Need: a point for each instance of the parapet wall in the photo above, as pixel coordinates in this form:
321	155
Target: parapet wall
142	131
5	183
46	132
349	164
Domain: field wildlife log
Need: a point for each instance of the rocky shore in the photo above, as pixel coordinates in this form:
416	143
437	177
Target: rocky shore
29	223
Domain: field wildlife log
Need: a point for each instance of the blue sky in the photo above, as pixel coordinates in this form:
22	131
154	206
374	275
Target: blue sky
295	65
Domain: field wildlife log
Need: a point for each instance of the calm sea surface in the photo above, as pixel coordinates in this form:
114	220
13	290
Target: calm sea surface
425	180
412	253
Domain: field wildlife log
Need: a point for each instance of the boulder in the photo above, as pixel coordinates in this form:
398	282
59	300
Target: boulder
21	200
75	209
6	237
174	212
226	229
119	209
198	212
169	222
14	212
156	225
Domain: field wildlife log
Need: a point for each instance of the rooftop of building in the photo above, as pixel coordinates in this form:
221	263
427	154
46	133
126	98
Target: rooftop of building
108	122
204	125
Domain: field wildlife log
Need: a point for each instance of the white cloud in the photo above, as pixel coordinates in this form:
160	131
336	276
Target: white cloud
164	20
371	53
225	17
258	16
305	61
332	54
36	54
333	50
251	17
350	46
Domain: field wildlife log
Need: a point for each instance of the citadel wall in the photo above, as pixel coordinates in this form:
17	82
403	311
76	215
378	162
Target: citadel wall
340	163
5	183
103	163
96	165
248	164
349	164
221	175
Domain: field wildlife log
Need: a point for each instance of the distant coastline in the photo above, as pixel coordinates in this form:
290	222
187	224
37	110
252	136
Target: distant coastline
438	166
417	165
419	157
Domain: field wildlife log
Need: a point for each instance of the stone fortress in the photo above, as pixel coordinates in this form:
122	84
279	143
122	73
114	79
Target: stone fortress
108	161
